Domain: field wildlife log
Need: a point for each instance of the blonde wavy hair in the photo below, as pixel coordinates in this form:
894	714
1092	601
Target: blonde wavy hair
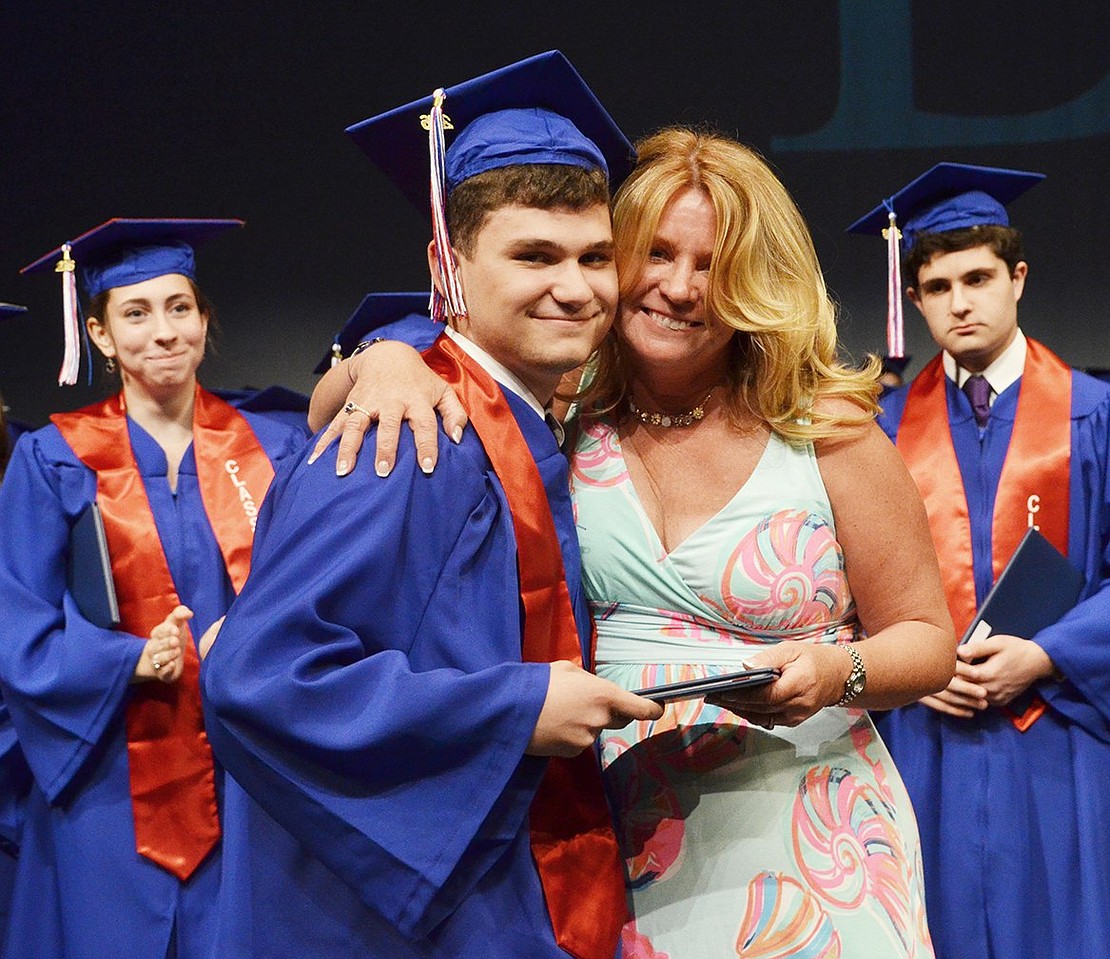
764	282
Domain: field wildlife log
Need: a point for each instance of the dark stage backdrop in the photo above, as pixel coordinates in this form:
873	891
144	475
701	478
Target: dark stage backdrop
116	108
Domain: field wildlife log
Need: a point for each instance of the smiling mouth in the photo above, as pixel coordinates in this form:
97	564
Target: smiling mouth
564	319
577	319
669	322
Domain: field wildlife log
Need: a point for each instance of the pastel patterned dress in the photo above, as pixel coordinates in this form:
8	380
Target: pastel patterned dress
741	841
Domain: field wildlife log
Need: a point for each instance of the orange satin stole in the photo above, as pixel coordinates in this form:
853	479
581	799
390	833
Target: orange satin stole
573	842
173	791
1032	490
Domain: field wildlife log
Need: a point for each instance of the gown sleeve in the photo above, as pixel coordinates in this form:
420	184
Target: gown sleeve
366	688
1079	643
14	782
63	679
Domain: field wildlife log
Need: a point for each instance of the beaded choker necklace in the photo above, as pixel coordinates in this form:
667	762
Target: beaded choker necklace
667	420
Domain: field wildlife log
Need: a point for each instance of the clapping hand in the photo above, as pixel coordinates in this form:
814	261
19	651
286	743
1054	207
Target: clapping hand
162	658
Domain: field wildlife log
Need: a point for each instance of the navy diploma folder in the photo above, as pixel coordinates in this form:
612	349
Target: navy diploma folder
695	688
1036	588
89	574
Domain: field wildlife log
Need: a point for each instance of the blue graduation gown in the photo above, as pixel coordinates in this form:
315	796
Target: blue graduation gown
367	698
16	429
66	683
14	783
1015	827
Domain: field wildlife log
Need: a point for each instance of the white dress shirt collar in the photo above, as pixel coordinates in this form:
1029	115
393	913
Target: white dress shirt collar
497	370
1002	373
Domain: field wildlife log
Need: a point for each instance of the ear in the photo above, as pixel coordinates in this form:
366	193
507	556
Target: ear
1021	271
98	333
433	267
911	295
437	281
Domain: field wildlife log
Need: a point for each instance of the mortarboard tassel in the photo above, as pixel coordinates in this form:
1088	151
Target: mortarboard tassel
71	363
451	302
895	333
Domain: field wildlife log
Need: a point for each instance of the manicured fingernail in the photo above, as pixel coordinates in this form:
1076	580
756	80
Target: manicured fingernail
456	434
312	459
342	468
426	464
382	469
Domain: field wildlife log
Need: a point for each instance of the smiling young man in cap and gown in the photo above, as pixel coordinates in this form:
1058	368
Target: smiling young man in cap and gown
1007	766
406	658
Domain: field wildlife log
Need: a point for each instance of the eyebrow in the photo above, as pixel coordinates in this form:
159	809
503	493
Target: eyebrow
143	301
974	271
538	243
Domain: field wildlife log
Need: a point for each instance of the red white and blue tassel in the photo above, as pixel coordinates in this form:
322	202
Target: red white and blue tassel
71	363
895	333
450	302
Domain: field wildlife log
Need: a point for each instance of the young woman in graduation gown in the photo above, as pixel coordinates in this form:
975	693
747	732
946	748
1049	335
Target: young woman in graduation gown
120	846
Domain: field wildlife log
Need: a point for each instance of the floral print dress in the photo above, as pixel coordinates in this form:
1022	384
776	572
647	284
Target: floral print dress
741	841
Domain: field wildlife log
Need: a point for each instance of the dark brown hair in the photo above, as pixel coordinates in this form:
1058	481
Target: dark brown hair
545	186
1004	242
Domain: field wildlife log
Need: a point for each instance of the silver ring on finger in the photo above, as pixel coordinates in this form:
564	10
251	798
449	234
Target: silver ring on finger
352	407
157	665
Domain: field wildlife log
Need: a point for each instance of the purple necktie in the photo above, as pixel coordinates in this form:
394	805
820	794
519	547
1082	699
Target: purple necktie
978	390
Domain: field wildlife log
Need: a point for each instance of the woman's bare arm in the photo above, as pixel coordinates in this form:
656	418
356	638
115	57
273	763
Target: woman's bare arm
892	568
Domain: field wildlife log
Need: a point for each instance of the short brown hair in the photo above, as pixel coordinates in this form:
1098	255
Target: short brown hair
546	186
1004	242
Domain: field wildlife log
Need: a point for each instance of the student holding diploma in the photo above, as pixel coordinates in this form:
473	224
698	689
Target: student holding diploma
737	506
1007	765
399	694
120	846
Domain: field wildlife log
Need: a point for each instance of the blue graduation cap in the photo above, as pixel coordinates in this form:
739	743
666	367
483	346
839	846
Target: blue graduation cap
9	311
374	313
538	110
121	252
950	196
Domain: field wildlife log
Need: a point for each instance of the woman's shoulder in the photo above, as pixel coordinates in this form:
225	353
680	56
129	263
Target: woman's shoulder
856	452
43	467
47	446
1090	396
854	423
841	407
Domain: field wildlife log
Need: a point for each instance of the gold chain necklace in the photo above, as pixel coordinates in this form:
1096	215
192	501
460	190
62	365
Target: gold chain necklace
667	420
